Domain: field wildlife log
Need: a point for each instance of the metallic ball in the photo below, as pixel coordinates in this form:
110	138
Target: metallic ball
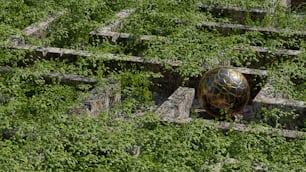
223	91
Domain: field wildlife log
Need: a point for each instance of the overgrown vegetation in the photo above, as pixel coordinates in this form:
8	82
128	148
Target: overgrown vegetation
38	135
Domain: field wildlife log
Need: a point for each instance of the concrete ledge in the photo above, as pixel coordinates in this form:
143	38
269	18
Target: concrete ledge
177	107
120	36
266	99
69	79
108	32
91	105
117	22
265	50
250	71
111	60
48	52
100	100
217	166
62	52
226	126
266	57
238	28
235	13
38	29
117	37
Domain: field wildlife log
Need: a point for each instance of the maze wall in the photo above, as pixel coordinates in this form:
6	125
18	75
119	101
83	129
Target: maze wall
181	100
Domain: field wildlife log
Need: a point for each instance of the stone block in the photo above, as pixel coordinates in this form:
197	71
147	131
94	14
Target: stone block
178	106
102	98
235	13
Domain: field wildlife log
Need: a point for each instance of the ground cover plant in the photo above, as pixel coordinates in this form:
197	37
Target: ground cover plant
130	137
185	42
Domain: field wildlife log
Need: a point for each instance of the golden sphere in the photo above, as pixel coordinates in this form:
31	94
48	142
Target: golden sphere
223	91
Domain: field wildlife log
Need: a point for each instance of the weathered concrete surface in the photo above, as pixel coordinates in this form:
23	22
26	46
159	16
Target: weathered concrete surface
239	28
266	98
251	71
166	84
265	50
169	83
100	100
69	79
38	29
48	52
119	36
266	57
62	52
117	22
108	32
226	126
235	13
177	107
114	61
217	166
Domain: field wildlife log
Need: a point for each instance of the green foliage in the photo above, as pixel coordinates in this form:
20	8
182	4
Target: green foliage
37	134
135	90
21	13
246	4
93	144
136	85
32	97
278	118
81	17
6	32
288	78
11	58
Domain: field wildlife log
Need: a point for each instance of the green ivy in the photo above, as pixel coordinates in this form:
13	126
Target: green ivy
37	134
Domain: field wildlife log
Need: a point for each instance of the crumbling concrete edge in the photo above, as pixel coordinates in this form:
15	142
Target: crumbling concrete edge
177	107
101	99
